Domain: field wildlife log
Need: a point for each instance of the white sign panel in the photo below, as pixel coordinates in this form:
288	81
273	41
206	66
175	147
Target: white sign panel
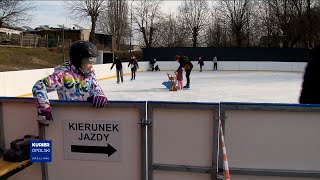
92	140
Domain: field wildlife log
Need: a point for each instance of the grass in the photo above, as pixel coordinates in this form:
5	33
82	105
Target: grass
16	58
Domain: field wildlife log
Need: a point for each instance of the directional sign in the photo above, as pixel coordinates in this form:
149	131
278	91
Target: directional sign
92	140
94	149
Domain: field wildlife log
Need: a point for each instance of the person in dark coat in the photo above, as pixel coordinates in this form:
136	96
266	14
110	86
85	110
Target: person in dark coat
215	63
134	66
118	64
187	65
200	61
310	93
152	63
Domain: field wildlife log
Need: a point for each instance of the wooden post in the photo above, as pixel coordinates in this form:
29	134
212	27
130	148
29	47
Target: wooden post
47	40
29	40
21	40
34	39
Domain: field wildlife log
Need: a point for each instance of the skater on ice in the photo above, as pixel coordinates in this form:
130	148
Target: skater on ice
185	63
119	71
134	66
152	63
200	62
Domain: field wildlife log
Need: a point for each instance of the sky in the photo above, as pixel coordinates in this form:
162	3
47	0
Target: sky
53	13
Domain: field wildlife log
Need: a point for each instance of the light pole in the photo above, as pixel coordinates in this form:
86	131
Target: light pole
63	44
130	29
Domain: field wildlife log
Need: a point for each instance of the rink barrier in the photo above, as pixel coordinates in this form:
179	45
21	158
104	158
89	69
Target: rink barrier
268	148
132	163
2	145
183	116
14	83
263	140
239	66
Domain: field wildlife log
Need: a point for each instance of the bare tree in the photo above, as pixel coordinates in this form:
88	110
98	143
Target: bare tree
284	16
194	15
237	14
114	21
303	27
83	9
269	31
216	31
172	33
147	16
14	12
214	35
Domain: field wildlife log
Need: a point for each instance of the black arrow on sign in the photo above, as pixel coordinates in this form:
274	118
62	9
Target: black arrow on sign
94	149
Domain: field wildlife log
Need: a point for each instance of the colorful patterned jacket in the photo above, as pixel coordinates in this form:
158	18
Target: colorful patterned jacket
70	84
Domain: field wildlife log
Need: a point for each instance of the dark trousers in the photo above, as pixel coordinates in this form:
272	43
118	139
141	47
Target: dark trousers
200	68
133	73
215	66
119	75
188	72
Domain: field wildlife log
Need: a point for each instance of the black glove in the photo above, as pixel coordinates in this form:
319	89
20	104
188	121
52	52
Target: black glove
45	116
98	101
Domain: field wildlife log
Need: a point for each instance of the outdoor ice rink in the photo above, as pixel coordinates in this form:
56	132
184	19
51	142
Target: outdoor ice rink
208	86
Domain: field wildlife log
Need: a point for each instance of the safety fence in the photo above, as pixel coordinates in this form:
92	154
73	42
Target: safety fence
169	140
271	140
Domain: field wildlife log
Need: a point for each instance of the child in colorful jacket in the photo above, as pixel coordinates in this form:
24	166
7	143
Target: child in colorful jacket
74	81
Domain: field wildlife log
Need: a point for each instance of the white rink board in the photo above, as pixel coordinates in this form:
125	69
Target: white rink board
128	168
273	140
181	133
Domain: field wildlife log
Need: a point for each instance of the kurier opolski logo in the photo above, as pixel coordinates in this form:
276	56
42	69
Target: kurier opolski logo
40	151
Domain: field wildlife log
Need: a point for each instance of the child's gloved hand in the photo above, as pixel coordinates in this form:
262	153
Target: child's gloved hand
98	101
45	116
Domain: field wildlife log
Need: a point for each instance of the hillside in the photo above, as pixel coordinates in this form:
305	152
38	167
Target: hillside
16	58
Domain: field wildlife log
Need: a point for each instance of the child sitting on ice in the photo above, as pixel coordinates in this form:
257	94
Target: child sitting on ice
171	84
157	68
172	79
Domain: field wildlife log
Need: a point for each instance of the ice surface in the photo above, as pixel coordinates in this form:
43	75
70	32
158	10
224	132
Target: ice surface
209	86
